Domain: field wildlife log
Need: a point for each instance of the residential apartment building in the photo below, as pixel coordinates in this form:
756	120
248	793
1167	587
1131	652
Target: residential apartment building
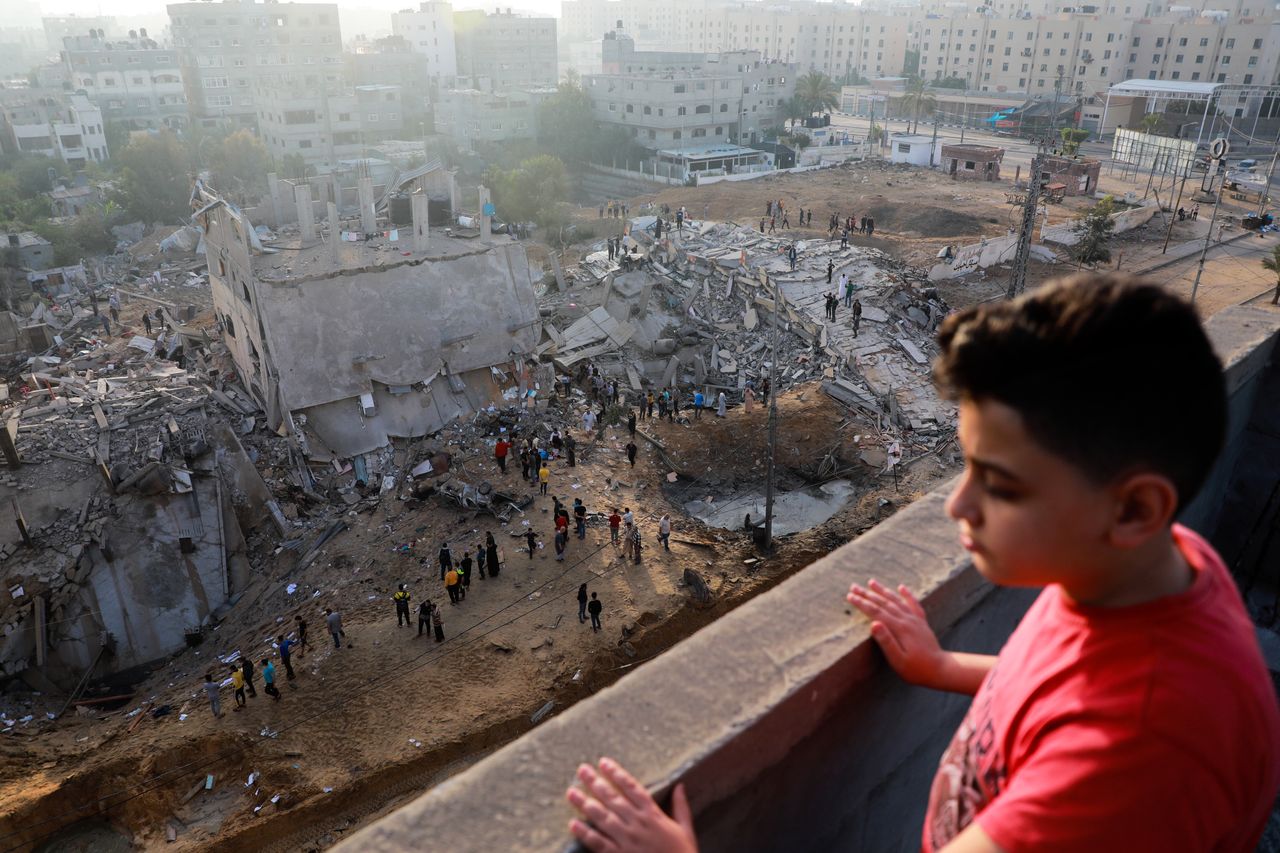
134	81
471	117
505	50
670	100
428	30
841	40
21	49
231	50
324	128
52	123
390	60
1080	55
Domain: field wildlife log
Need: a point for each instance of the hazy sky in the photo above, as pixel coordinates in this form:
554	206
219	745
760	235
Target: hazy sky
367	16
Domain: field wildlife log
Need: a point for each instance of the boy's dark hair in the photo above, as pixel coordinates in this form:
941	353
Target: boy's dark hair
1108	372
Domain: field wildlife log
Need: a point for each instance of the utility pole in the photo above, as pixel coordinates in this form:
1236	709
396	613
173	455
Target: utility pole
773	417
1018	278
1266	188
1218	166
1186	173
933	146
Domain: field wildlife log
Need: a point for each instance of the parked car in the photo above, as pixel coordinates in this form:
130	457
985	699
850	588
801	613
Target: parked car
1247	165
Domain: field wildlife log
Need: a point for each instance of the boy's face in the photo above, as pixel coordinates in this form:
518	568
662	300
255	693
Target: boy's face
1028	517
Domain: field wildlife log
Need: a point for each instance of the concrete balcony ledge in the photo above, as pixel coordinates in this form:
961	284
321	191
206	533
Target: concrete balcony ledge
783	720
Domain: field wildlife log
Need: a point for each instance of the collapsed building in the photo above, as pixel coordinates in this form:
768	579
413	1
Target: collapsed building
353	334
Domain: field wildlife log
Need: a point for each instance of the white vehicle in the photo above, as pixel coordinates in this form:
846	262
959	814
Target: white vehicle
1245	181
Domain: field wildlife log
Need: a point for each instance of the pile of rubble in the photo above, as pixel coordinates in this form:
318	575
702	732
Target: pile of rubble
697	311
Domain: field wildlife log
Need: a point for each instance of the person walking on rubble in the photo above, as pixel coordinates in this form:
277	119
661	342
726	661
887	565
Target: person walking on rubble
631	423
500	449
580	518
424	616
237	684
582	604
571	448
631	453
720	405
615	522
300	626
269	679
401	598
491	555
211	691
113	305
437	622
594	607
451	585
857	316
480	555
831	268
664	531
531	541
748	400
334	621
286	653
464	574
544	478
848	291
246	667
792	255
698	401
446	559
524	464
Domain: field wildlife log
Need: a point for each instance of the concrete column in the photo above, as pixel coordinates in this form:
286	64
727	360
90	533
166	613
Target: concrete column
306	214
486	221
335	230
453	196
368	217
273	187
421	206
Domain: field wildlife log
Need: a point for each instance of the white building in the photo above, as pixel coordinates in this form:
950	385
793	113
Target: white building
134	81
910	149
52	123
429	31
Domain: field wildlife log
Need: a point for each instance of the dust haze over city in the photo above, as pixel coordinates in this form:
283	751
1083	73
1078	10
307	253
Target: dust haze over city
399	395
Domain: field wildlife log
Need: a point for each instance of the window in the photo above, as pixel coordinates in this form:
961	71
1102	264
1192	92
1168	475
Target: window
675	134
648	110
1248	78
1257	44
1178	58
304	143
373	116
1204	42
1231	43
1182	42
1226	60
724	108
1200	59
1137	42
613	108
904	148
1160	42
680	88
1253	61
681	111
631	108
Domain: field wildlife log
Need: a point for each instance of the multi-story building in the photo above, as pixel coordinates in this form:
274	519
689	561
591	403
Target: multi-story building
1077	56
428	30
231	50
134	81
324	127
470	116
21	49
504	50
52	123
670	100
390	60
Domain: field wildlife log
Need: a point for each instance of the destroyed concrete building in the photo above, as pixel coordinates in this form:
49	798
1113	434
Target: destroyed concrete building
359	332
969	162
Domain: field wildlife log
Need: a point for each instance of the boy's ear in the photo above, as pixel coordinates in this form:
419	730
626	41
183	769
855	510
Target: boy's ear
1145	503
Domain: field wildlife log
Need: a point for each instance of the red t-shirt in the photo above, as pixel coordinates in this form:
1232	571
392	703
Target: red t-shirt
615	520
562	522
500	449
1153	727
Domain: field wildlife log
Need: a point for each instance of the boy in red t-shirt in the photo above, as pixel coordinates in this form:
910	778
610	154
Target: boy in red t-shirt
1130	709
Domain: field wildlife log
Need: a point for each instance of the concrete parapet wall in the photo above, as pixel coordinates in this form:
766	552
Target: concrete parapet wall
781	717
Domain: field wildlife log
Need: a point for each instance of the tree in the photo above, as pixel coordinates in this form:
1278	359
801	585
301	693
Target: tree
1071	139
155	185
1273	263
294	167
794	108
241	161
566	122
1094	231
1150	122
951	83
918	100
534	191
817	92
875	134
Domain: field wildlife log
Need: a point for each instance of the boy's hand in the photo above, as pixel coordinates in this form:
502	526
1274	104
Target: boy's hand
899	626
624	818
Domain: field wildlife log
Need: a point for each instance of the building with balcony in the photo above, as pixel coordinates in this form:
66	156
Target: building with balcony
324	128
471	116
230	50
135	81
52	123
504	50
670	100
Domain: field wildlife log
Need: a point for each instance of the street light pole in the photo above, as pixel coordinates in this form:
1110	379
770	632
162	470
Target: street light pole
773	417
1219	166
